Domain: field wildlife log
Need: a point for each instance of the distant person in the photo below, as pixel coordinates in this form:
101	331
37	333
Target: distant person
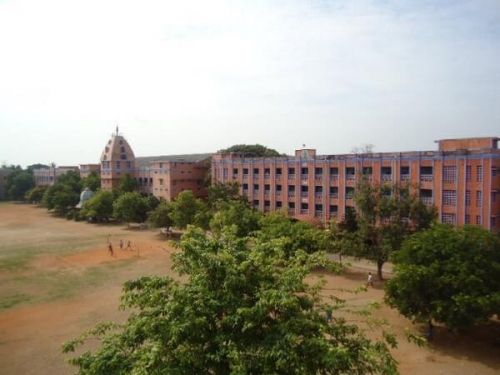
329	314
121	244
129	245
369	282
110	248
430	331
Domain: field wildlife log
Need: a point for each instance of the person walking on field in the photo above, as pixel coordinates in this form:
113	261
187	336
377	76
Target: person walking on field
110	248
129	245
369	282
121	244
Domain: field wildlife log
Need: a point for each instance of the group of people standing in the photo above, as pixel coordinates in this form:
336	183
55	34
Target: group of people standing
121	244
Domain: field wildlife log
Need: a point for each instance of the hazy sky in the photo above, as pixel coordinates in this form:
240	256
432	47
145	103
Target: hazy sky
196	76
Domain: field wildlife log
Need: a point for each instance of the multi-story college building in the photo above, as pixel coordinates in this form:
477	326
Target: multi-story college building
162	176
49	176
461	179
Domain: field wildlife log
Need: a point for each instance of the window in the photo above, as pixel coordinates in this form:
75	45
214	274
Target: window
334	171
493	171
318	208
304	206
256	171
467	198
245	170
291	205
291	187
493	222
318	189
267	187
267	171
367	170
278	187
256	203
479	173
426	171
161	181
304	170
468	173
291	170
448	218
256	187
278	171
405	171
245	186
118	165
235	171
449	173
123	157
386	170
267	203
349	192
318	171
122	149
478	220
494	196
334	191
450	197
467	219
334	209
350	171
279	204
224	172
479	198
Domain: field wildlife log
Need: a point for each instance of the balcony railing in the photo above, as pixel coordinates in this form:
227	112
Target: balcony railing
426	177
334	177
267	176
405	177
318	213
291	194
255	176
278	193
304	194
245	177
318	179
278	177
350	177
334	195
318	196
349	197
267	193
291	177
304	176
304	211
427	200
387	177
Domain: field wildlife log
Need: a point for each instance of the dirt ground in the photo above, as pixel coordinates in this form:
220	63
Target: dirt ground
57	280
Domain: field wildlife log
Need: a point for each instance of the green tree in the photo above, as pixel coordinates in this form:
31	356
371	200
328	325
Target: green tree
252	150
131	207
448	275
127	184
294	235
387	215
236	213
64	195
35	195
92	181
18	184
99	207
160	216
243	309
187	209
223	192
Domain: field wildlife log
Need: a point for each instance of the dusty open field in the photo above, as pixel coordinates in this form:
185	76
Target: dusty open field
57	280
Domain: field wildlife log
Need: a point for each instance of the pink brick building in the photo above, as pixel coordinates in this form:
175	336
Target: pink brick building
162	176
461	179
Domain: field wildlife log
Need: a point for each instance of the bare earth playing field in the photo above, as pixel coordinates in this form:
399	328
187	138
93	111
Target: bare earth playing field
57	280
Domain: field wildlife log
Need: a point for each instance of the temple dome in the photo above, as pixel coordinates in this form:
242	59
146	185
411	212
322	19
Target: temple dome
117	148
84	197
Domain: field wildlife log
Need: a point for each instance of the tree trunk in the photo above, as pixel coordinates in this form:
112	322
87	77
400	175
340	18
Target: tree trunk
379	270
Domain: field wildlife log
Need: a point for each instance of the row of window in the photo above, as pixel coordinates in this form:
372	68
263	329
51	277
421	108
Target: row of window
303	206
447	218
449	172
334	190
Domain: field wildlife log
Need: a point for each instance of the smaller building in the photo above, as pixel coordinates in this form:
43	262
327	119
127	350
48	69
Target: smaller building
87	169
49	176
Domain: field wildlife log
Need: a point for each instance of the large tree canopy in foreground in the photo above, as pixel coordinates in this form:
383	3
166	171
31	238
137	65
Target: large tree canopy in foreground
449	275
243	309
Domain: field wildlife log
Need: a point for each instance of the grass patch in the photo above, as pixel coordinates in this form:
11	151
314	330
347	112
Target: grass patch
12	300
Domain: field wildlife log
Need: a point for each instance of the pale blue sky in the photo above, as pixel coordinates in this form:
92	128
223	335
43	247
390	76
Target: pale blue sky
196	76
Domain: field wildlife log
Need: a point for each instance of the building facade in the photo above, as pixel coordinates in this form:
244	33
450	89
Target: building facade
49	176
162	176
461	179
87	169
